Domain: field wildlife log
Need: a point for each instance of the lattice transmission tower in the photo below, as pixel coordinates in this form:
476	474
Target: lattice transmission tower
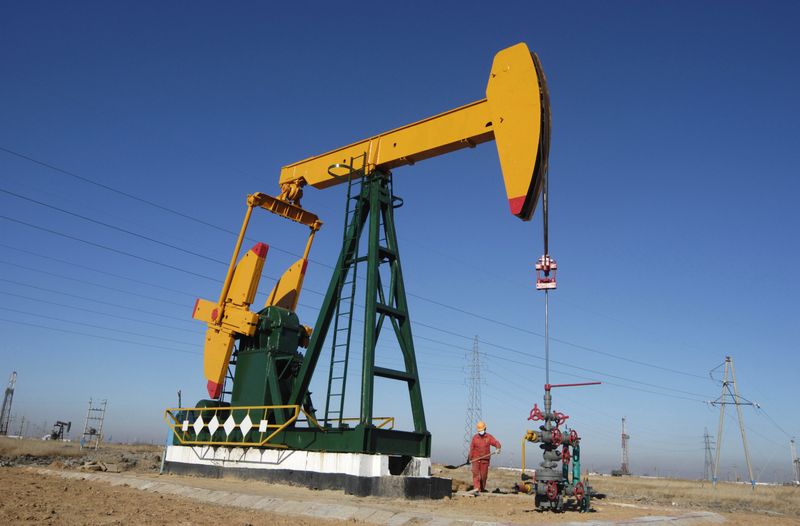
730	396
708	465
795	462
474	394
5	412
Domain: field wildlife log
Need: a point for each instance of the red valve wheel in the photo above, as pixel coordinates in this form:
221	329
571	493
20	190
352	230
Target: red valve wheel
552	490
573	436
560	418
579	491
536	413
556	437
565	456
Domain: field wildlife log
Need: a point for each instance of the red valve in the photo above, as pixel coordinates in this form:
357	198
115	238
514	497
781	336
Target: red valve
552	489
573	436
579	491
560	418
565	456
536	413
556	437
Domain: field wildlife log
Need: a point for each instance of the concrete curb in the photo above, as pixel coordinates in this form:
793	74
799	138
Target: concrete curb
343	512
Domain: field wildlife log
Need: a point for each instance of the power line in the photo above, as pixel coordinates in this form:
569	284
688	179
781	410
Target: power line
529	355
605	382
782	430
417	296
217	227
106	247
86	282
565	342
50	303
39	326
92	300
491	344
528	364
109	248
136	198
113	227
51	317
99	271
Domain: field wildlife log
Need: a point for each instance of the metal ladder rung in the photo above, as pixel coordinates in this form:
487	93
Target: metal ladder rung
343	319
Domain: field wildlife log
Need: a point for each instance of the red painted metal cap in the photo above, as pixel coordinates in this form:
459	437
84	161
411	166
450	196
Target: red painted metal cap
260	249
214	389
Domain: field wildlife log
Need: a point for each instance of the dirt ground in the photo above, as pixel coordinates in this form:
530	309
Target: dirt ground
29	497
737	503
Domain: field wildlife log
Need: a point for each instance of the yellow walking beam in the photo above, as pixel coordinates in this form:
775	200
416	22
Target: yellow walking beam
515	114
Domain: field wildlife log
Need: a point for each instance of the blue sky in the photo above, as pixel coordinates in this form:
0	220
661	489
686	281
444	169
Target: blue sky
673	184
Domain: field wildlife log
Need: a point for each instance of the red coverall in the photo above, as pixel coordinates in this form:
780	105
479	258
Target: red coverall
479	447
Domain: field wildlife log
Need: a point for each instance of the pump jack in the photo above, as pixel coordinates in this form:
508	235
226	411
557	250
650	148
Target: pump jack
270	408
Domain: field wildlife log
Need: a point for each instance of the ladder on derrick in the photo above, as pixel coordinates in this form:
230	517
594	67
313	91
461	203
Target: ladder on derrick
343	318
370	212
93	426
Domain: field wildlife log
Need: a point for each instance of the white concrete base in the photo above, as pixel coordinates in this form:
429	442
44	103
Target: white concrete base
355	464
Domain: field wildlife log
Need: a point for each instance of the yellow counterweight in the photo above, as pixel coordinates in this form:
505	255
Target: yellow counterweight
232	318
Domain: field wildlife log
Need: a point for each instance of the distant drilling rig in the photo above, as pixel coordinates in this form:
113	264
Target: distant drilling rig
5	412
624	468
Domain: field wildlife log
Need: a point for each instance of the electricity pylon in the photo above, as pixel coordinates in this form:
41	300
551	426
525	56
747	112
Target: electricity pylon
708	466
730	396
474	400
5	412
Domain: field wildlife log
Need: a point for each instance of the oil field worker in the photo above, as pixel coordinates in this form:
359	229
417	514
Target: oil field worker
480	454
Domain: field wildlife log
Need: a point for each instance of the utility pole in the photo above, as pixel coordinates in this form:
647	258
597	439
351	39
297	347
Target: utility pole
708	467
730	396
474	393
795	462
5	412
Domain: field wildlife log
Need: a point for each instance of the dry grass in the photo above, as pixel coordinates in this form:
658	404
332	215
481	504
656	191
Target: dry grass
132	448
696	494
14	447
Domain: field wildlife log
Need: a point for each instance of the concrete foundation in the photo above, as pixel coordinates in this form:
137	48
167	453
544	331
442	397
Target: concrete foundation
354	473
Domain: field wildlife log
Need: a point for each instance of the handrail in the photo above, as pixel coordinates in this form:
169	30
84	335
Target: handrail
177	419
